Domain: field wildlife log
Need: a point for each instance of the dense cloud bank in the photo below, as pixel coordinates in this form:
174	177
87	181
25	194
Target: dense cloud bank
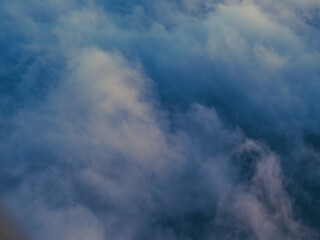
161	120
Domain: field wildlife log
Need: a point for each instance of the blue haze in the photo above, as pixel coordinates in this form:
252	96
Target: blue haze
174	120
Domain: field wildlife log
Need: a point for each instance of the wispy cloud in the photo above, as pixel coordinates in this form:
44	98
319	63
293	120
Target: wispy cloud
168	120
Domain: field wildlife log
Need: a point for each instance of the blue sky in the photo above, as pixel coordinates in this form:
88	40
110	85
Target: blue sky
173	120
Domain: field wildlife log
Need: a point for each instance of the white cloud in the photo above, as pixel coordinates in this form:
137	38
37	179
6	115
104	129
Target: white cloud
104	138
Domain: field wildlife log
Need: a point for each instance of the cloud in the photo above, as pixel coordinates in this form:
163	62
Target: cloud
167	120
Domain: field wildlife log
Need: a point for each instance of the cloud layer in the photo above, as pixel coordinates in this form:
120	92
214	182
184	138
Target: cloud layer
169	120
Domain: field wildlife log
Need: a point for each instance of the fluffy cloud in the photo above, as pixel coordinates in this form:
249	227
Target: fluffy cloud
167	120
